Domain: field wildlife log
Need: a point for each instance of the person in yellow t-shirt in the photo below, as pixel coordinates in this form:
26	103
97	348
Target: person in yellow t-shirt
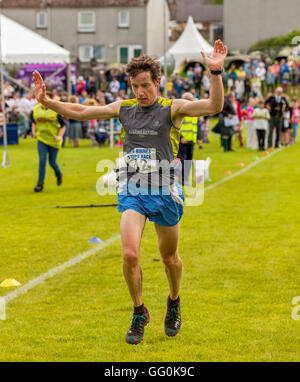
188	137
48	128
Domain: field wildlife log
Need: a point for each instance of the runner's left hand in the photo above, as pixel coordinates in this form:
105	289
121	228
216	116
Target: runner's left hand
216	61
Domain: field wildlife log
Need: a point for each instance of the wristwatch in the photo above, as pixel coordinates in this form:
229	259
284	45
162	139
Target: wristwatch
216	72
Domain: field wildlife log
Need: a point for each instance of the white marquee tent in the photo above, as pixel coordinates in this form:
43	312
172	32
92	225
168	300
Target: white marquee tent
189	45
20	45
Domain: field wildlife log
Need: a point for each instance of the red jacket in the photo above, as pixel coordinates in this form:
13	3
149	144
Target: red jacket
239	112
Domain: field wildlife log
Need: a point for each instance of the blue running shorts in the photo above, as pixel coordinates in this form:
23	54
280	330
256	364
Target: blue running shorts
165	208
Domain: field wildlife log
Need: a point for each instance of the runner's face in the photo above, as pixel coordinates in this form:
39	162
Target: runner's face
144	89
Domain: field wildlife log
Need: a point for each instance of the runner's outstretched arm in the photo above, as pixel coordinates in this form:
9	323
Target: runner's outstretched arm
214	104
72	110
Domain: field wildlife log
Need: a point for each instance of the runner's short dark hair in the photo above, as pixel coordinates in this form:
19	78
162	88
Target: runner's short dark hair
144	63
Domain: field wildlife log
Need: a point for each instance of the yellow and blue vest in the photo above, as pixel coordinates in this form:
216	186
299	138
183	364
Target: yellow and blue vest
189	129
47	126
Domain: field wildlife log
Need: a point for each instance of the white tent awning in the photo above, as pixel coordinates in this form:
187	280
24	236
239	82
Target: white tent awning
21	45
189	45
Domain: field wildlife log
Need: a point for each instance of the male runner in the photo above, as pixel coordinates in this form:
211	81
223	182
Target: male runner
151	125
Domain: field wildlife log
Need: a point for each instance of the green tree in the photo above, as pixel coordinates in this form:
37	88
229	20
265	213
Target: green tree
214	1
272	46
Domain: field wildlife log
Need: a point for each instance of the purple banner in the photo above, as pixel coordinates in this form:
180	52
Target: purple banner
46	70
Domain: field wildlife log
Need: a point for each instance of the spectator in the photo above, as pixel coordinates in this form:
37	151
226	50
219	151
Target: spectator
283	69
206	82
295	119
101	81
92	85
238	127
83	97
197	68
75	127
241	74
188	137
230	121
285	81
23	124
48	128
247	67
170	88
270	79
108	97
114	86
25	105
261	118
261	74
295	75
178	87
8	89
275	70
268	63
109	76
92	128
101	134
232	76
198	81
239	88
123	79
190	75
186	86
247	84
31	100
251	133
195	94
80	85
275	104
286	125
162	85
200	133
91	101
256	86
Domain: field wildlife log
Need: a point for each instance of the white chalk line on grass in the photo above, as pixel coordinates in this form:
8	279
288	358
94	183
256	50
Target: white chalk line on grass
82	256
242	171
53	272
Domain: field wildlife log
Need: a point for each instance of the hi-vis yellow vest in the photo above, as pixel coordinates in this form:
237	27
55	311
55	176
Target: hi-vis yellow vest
189	129
47	126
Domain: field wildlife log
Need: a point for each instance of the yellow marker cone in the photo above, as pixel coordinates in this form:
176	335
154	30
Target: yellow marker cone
9	283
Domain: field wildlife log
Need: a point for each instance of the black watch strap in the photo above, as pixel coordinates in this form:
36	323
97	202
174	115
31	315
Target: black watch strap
216	72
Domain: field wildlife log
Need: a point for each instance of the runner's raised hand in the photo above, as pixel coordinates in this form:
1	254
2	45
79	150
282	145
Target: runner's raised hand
40	87
216	61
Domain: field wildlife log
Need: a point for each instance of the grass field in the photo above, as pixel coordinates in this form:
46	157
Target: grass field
240	251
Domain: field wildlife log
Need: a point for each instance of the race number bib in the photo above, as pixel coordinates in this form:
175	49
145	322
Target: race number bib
142	160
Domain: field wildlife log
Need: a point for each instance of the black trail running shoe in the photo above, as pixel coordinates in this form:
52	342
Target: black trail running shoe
39	187
135	333
173	318
59	180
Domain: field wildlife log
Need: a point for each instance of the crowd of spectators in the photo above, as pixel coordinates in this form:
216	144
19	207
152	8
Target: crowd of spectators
246	84
270	122
252	78
253	84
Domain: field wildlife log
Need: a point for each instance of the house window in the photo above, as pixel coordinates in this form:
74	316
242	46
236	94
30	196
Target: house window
86	21
123	19
87	52
123	54
41	20
127	52
137	51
